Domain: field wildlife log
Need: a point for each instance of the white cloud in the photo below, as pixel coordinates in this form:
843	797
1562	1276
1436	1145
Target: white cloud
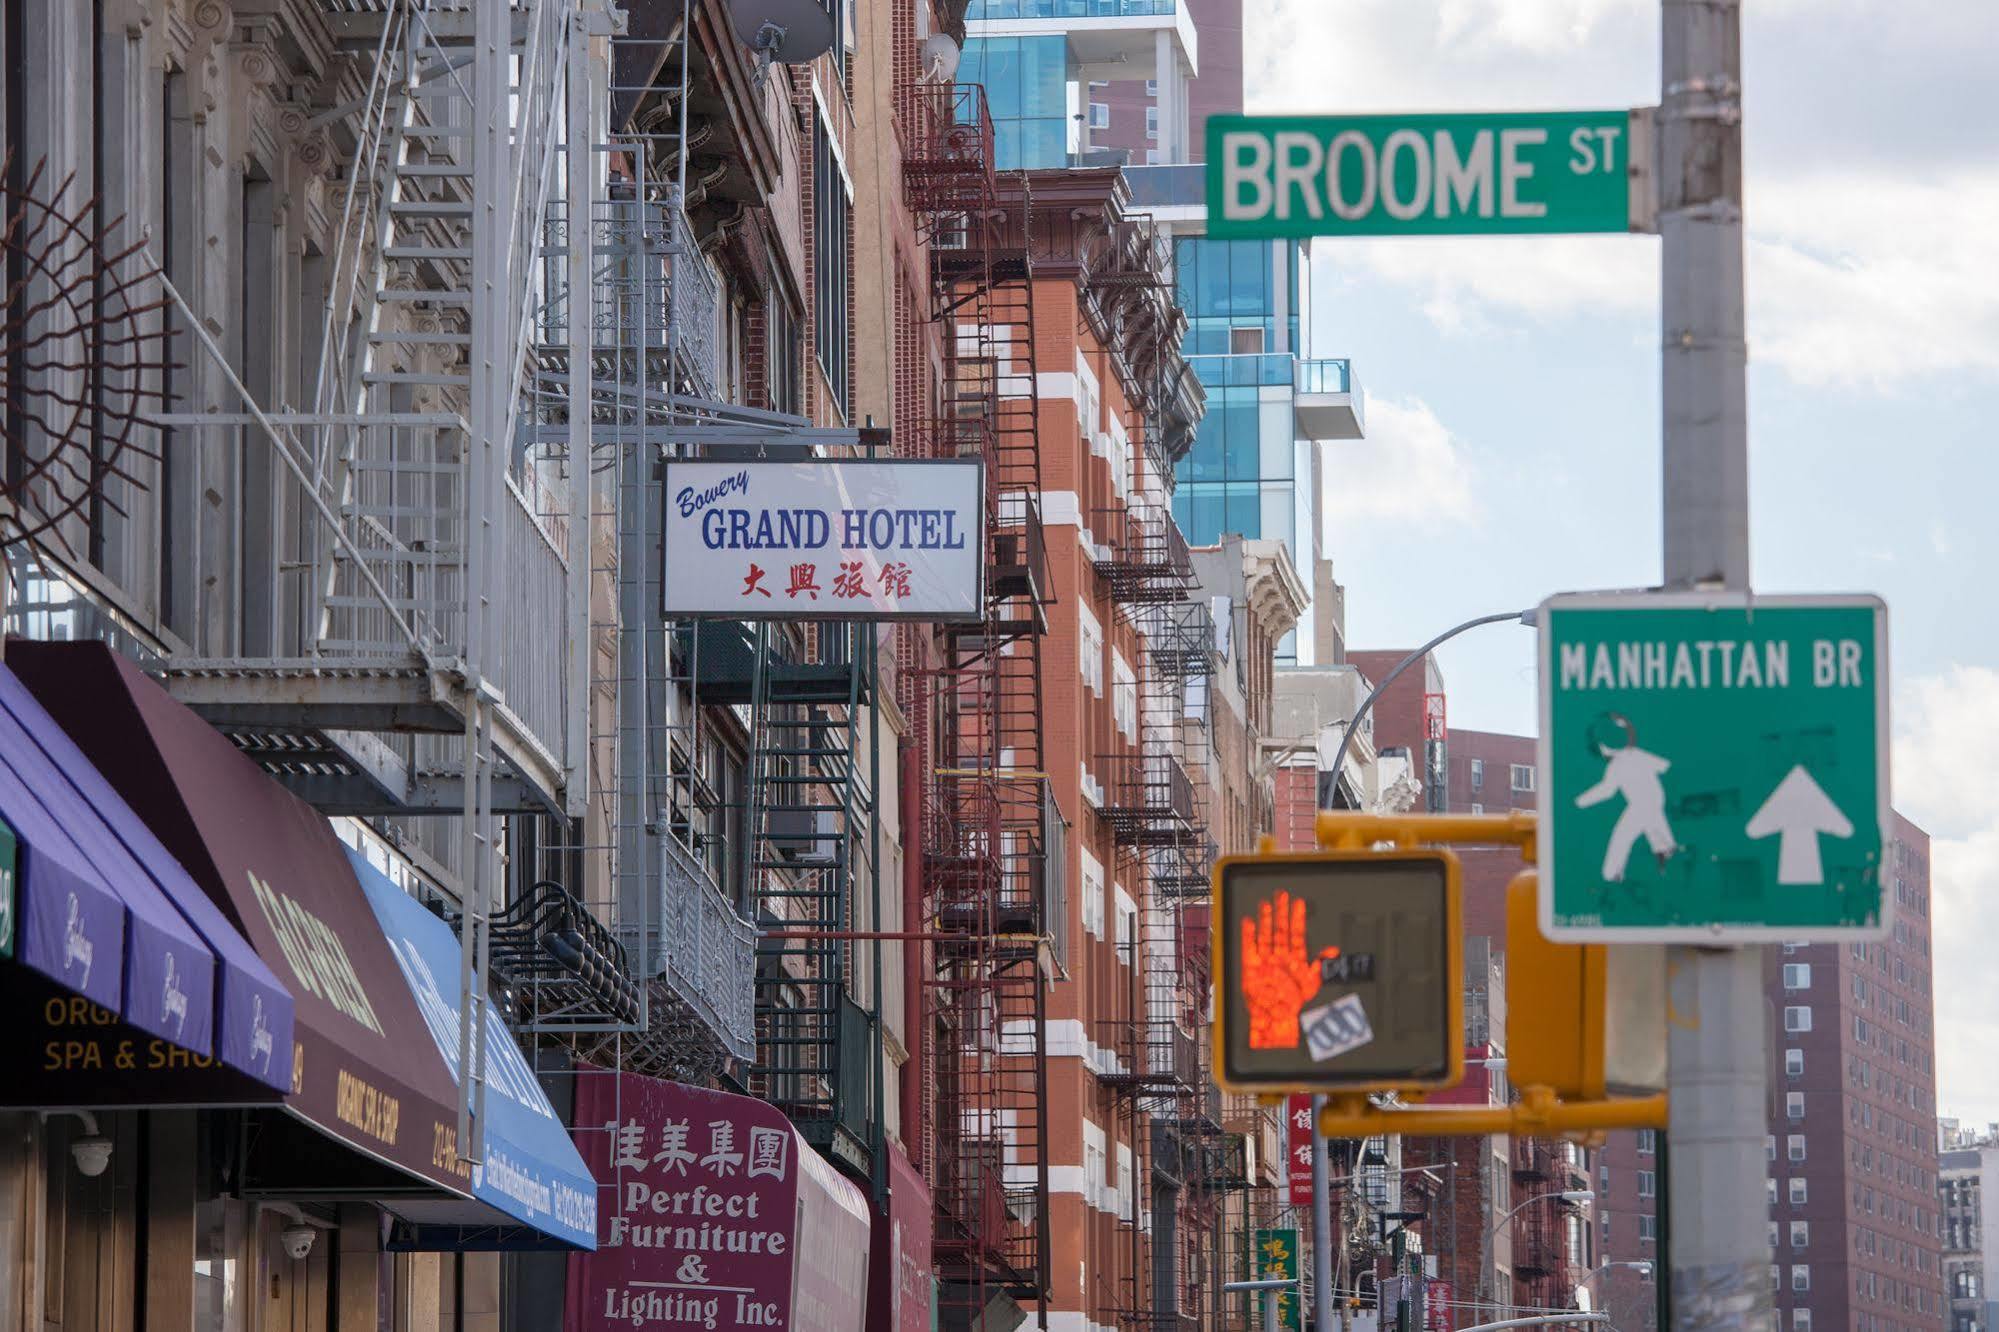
1410	468
1869	279
1947	751
1872	263
1946	765
1472	286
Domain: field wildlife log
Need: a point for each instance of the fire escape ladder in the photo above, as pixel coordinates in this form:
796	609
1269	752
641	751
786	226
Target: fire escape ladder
984	838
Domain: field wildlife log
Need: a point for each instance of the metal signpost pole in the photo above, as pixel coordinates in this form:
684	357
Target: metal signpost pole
1322	1221
1718	1255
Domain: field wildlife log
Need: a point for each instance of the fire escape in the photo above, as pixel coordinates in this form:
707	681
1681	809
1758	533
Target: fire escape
974	696
1157	798
1541	1271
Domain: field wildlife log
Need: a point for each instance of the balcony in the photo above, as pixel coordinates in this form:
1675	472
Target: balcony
1148	799
1326	396
1328	400
701	956
1142	555
1107	38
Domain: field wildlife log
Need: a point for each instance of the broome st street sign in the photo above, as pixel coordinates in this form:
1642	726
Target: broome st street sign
1415	175
1713	768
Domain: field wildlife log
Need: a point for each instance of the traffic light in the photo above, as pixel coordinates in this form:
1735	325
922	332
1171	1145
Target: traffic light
1340	971
1583	1020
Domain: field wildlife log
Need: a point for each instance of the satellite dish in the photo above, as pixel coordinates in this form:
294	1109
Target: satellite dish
939	58
784	32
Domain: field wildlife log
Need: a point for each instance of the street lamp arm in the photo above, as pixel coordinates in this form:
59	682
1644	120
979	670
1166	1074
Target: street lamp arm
1538	1320
1360	713
1518	1207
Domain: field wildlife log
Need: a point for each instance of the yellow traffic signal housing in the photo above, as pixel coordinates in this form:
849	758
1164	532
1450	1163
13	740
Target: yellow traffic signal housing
1554	1003
1339	971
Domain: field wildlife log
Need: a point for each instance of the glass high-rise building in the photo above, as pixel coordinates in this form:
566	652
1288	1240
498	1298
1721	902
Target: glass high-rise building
1072	81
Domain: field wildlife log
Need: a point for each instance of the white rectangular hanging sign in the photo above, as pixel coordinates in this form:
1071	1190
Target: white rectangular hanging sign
825	539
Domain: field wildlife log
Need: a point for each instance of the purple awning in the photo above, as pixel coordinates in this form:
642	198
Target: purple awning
169	973
226	1002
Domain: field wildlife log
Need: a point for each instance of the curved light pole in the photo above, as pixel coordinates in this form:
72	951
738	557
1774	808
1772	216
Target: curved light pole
1642	1266
1525	617
1565	1195
1322	1193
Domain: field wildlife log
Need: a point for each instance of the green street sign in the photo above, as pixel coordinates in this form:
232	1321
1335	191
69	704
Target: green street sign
10	860
1713	768
1430	175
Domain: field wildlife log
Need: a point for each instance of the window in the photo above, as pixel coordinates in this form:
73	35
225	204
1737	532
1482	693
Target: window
1794	1146
1090	646
1246	341
1093	896
1801	1234
1797	975
1100	115
1522	776
1799	1191
1478	774
1647	1183
1646	1230
1801	1320
1794	1105
1769	1147
1798	1018
1152	87
1794	1063
1151	122
1647	1138
1095	1164
830	211
1477	808
1770	1188
1801	1277
1603	1180
1124	697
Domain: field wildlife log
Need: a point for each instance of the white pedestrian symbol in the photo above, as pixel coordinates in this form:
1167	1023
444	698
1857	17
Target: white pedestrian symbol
1796	813
1634	774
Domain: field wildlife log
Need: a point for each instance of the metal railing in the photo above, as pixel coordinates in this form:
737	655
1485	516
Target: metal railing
986	10
1330	375
702	949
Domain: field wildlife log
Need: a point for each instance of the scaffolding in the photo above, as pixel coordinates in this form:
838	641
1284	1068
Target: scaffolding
989	839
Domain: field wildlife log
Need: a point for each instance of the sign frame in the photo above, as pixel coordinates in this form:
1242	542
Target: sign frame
1454	1000
1714	936
1331	130
819	611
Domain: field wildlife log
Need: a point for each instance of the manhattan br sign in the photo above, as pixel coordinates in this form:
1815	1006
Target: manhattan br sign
1713	768
1429	175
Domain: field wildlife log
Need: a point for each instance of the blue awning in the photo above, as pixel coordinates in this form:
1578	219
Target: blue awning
73	924
528	1167
207	990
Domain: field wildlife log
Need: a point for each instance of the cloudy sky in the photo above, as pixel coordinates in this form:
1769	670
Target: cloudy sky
1513	384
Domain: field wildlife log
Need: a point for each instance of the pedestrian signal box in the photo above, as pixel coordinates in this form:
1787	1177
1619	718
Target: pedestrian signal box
1338	971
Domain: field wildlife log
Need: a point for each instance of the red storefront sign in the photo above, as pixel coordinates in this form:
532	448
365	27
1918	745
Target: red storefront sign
899	1289
697	1220
1439	1314
1298	1134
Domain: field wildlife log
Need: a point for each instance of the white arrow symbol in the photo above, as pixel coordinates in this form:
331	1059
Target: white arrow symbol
1797	812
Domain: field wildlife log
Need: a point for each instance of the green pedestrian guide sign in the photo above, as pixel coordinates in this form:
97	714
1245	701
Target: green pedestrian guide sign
1544	172
1713	768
